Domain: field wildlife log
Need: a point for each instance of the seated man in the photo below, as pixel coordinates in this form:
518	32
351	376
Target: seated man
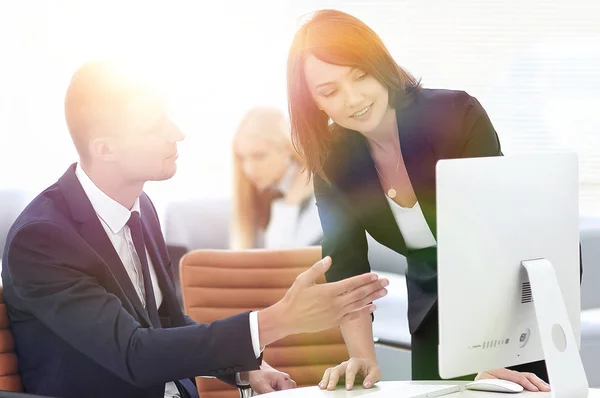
87	278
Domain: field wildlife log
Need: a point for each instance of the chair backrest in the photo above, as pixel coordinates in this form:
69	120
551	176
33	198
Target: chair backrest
9	371
220	283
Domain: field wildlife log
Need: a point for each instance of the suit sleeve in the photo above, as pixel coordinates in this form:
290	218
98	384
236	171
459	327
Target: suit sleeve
44	263
344	240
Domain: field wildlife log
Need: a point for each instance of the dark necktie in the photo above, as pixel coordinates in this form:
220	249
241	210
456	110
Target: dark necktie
135	225
185	386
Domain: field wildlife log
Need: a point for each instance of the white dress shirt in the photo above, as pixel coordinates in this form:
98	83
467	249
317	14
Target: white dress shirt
114	216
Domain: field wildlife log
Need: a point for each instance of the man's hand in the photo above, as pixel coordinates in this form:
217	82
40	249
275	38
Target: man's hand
529	381
268	379
309	307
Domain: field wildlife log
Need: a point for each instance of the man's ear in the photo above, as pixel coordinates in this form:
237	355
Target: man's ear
102	148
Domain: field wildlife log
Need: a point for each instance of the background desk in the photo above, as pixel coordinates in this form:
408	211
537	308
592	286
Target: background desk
340	392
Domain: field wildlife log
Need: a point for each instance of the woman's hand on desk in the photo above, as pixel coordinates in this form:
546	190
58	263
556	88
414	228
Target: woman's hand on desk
529	381
366	369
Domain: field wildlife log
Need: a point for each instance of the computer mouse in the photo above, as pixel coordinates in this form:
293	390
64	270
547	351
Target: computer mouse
494	385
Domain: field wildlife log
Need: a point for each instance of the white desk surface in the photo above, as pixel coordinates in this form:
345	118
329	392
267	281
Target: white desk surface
340	391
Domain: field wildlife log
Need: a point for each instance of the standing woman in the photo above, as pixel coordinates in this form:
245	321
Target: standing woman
273	200
371	136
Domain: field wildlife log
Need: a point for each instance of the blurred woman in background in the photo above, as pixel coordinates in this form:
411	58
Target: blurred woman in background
273	200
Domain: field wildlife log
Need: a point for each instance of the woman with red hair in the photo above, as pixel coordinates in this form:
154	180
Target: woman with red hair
371	136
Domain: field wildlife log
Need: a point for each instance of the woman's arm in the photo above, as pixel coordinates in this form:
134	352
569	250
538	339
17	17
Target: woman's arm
344	240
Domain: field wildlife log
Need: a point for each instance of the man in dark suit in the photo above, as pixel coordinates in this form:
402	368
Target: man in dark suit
87	278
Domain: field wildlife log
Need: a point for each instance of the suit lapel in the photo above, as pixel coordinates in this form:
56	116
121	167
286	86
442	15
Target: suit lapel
170	303
361	184
419	159
95	235
92	231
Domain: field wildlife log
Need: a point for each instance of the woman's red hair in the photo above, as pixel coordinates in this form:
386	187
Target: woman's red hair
336	38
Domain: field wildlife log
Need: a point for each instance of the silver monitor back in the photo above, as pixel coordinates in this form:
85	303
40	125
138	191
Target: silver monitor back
492	214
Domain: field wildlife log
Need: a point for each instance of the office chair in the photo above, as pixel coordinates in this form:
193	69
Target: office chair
220	283
9	370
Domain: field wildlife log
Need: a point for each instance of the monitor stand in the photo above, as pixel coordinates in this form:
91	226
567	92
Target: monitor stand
565	369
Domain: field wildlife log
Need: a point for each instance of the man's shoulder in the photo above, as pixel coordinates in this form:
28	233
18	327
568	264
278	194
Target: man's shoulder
47	208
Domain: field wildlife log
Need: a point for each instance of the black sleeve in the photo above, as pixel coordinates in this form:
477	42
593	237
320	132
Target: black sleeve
344	240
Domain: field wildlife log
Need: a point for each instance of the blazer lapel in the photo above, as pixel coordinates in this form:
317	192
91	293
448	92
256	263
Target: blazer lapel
364	190
93	233
419	159
170	303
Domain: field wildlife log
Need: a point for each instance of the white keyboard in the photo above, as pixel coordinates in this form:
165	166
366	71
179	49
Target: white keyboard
415	391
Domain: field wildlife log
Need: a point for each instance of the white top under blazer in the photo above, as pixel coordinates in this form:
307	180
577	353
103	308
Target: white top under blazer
412	225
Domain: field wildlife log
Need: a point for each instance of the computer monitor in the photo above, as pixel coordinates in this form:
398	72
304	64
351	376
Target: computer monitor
508	266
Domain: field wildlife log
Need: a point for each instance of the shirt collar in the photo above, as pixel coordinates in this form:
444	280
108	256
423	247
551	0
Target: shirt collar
114	214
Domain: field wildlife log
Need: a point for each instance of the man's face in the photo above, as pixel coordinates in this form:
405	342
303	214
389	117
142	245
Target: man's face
144	145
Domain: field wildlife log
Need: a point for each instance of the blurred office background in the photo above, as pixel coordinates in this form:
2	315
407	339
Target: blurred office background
533	64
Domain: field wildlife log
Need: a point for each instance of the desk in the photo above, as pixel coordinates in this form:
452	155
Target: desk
340	392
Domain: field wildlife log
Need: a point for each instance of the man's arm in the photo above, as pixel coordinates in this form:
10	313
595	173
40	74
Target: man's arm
46	272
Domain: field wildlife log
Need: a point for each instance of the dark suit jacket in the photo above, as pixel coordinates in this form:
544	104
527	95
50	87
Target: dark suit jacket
438	124
79	327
